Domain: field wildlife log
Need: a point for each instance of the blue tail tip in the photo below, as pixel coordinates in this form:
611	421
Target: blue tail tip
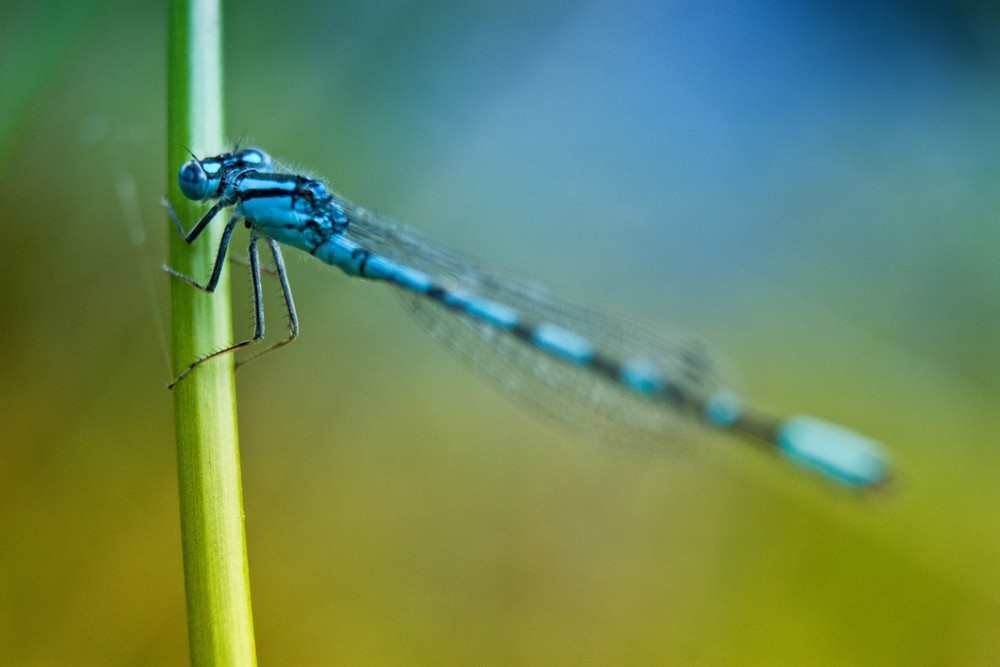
836	451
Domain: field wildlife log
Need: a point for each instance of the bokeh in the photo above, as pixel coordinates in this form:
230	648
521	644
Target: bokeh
811	186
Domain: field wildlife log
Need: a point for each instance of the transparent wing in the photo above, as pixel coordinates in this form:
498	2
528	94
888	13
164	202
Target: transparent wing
568	393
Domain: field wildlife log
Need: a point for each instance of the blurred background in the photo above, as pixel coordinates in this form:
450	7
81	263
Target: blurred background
811	186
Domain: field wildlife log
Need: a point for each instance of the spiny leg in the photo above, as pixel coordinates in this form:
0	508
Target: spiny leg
286	290
199	226
258	303
220	259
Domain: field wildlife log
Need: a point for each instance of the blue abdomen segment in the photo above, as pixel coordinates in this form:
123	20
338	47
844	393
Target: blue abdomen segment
356	261
492	312
383	268
641	375
836	451
723	408
563	342
343	253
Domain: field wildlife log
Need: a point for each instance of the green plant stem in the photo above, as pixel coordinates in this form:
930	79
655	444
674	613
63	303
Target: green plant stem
216	575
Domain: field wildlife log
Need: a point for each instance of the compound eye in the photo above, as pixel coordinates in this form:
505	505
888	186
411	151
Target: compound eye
193	180
255	157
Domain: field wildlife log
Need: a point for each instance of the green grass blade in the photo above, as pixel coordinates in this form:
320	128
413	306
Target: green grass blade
216	576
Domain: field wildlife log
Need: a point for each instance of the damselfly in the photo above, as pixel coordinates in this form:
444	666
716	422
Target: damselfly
586	369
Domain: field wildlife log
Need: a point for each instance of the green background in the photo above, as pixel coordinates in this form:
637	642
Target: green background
810	186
